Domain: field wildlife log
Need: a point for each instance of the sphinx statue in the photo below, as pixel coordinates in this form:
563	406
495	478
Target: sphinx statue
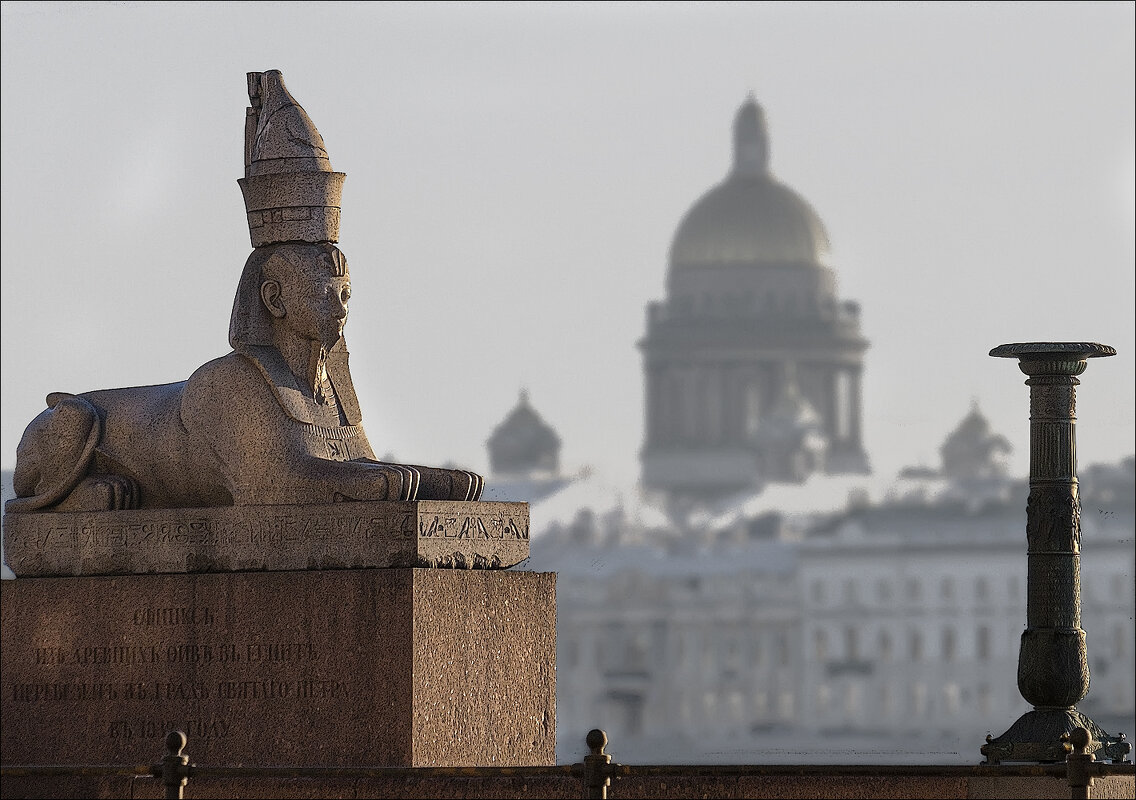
276	421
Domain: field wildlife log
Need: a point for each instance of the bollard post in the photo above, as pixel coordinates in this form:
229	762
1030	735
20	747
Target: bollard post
1053	662
174	767
1079	764
597	765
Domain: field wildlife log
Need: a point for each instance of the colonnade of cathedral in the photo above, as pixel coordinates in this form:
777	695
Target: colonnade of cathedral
715	403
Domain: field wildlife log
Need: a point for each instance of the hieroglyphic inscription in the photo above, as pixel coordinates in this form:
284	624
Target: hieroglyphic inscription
281	529
472	527
334	536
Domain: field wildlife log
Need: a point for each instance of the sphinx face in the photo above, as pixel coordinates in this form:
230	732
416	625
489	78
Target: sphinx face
315	303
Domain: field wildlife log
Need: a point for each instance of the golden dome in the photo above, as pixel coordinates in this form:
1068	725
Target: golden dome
750	217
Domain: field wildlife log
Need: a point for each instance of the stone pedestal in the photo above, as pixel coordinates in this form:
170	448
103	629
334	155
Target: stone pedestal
400	667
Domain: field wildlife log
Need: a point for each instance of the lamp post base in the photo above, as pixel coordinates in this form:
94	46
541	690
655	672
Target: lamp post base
1037	736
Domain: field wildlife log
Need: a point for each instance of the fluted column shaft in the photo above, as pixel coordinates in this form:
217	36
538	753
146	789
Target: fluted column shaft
1053	668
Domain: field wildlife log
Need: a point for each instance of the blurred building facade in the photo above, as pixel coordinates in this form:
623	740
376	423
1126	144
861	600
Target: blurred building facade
752	364
884	631
718	617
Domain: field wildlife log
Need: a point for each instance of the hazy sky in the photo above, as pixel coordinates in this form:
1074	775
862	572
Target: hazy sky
515	174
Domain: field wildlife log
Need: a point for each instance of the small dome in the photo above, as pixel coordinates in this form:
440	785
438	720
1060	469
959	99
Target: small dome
523	443
750	217
973	450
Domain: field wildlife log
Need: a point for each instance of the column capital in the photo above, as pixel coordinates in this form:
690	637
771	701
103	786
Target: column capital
1052	358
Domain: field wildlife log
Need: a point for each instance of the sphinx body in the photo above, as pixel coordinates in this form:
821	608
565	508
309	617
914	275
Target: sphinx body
274	422
244	429
220	438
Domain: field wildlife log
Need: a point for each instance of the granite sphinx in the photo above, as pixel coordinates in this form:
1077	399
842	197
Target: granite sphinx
277	420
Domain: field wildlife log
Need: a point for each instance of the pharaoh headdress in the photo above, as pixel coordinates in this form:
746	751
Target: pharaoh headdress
291	196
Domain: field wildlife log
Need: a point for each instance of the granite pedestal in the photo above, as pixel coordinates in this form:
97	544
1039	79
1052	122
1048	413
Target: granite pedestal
344	634
400	666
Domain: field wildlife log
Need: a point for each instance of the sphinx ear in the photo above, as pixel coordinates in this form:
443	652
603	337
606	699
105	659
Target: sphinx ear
270	294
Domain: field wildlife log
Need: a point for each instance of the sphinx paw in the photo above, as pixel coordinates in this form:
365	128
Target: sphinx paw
102	492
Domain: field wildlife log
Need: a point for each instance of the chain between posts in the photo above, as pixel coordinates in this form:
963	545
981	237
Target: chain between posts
597	771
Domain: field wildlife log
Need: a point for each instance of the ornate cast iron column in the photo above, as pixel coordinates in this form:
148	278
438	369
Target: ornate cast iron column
1053	665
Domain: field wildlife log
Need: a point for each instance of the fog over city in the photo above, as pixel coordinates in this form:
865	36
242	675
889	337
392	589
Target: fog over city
515	175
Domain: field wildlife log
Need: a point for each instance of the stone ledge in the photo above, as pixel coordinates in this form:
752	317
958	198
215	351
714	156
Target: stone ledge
356	535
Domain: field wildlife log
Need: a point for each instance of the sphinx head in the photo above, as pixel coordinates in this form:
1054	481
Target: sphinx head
296	287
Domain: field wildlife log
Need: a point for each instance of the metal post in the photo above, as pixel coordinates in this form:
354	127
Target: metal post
596	766
1053	665
1078	764
174	767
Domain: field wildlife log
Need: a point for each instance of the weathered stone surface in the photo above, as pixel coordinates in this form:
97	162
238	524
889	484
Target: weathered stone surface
399	667
424	533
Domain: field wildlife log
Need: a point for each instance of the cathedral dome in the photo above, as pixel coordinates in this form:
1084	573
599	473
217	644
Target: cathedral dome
750	217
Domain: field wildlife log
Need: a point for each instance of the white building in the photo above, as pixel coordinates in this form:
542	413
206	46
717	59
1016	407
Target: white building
886	632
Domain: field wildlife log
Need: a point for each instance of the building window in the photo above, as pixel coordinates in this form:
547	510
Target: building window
916	646
843	405
985	700
712	405
919	699
785	704
851	644
884	646
982	589
851	596
949	644
689	406
883	590
752	407
823	696
626	709
820	645
818	592
684	707
982	646
569	650
914	590
947	589
736	706
951	698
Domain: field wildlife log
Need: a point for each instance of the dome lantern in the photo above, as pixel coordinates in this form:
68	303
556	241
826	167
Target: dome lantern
751	139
